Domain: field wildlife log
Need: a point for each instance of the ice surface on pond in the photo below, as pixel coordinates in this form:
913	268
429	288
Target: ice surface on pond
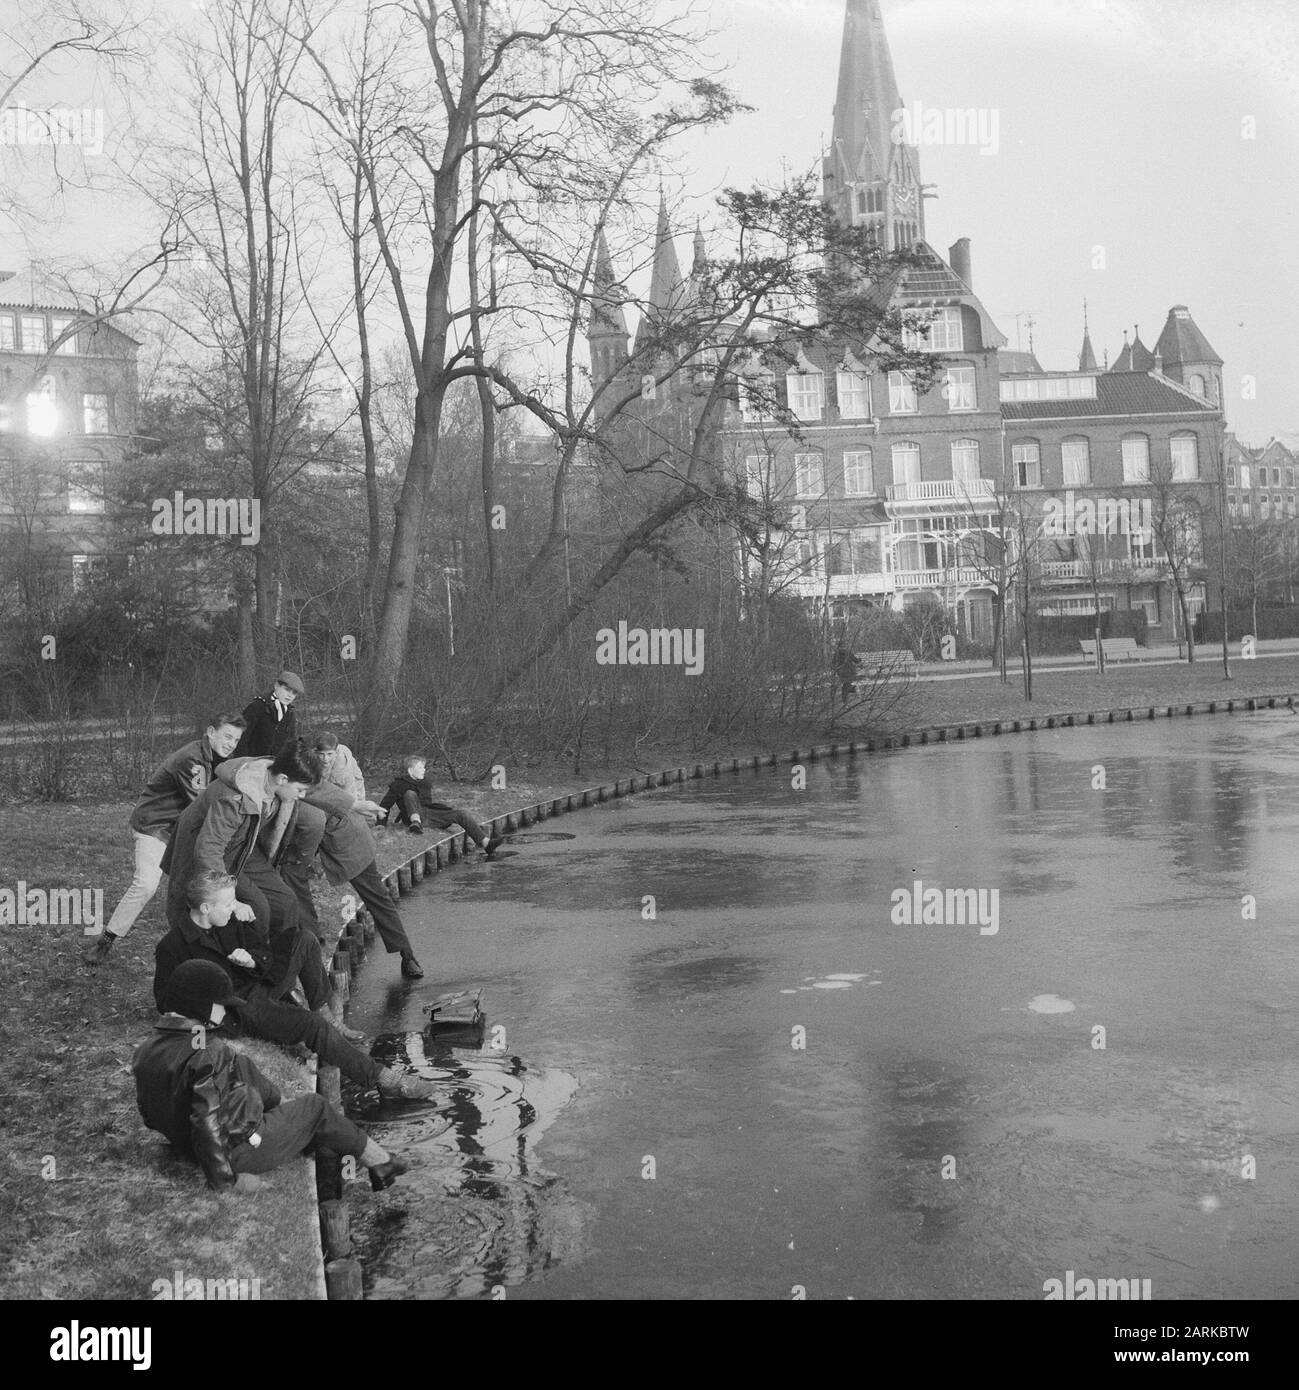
1050	1004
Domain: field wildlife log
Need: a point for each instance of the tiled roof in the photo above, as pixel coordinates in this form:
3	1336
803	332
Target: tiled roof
1182	341
1122	393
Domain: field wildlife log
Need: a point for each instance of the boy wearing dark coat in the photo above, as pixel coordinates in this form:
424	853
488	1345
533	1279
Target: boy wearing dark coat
270	719
412	794
210	931
347	853
178	781
219	1108
242	825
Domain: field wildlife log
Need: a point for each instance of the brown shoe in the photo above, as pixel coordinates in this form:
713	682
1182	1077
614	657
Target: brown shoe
405	1087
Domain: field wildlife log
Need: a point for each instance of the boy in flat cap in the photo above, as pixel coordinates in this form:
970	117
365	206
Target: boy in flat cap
270	720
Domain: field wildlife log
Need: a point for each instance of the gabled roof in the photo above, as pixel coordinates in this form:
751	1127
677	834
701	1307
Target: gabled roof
1182	341
1121	393
930	281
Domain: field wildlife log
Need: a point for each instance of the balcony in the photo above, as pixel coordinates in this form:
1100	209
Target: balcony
1128	570
973	490
841	585
958	578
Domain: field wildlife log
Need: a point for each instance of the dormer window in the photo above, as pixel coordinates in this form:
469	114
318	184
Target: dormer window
944	331
1197	384
852	388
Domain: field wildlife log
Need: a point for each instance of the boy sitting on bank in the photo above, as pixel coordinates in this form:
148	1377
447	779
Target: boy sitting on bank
217	1107
412	795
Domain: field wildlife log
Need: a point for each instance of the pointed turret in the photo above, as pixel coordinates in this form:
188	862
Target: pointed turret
871	171
1187	355
607	333
666	286
1123	362
1142	358
1086	357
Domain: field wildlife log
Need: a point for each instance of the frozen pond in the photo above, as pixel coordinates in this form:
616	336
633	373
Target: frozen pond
777	1082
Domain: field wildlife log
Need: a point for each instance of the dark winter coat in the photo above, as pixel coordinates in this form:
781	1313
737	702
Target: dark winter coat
186	941
266	733
422	788
177	781
218	832
347	847
206	1100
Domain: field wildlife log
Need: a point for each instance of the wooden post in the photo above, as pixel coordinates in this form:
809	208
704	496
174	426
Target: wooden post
342	984
343	1280
335	1230
367	924
417	869
403	879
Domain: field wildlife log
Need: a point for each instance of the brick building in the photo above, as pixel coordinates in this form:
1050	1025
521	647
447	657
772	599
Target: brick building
67	423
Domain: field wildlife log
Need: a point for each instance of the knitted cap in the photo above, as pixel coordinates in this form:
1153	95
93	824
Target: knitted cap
194	987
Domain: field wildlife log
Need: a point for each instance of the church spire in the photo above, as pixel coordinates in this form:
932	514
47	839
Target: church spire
1087	357
666	285
607	333
871	171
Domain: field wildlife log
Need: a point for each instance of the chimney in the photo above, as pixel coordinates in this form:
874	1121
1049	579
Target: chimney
959	259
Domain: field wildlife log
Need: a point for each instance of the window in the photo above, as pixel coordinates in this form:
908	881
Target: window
858	475
1231	477
1075	456
1231	505
753	472
1244	475
1141	547
1186	461
959	388
902	394
94	414
861	202
1289	477
1026	460
806	394
1151	606
965	462
8	342
42	411
808	480
944	333
1245	505
1276	477
1043	388
1262	506
86	486
1289	506
854	392
755	396
35	338
906	463
1197	384
1136	459
57	324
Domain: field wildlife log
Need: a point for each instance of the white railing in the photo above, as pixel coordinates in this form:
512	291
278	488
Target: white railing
950	491
1081	569
842	585
939	579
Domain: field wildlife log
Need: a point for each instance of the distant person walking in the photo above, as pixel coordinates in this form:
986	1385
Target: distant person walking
412	795
844	665
270	720
180	779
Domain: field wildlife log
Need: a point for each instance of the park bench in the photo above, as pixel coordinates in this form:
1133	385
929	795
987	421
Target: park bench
882	665
1115	649
1122	649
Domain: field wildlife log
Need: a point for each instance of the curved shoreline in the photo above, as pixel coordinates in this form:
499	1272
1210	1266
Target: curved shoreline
342	1272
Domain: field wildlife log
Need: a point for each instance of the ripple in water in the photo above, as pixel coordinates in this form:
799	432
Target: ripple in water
476	1211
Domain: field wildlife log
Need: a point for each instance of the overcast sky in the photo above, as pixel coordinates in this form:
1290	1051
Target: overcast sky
1120	124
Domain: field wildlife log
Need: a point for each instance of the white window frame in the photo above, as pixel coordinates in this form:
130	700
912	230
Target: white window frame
1135	470
809	469
1182	473
967	471
962	395
1198	386
756	396
855	463
902	389
58	323
91	498
1073	475
8	333
945	331
1244	475
805	392
853	392
909	449
40	323
91	413
1026	462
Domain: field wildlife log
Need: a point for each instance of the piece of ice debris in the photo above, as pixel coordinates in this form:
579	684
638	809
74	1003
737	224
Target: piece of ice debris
841	975
1050	1004
783	991
835	984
